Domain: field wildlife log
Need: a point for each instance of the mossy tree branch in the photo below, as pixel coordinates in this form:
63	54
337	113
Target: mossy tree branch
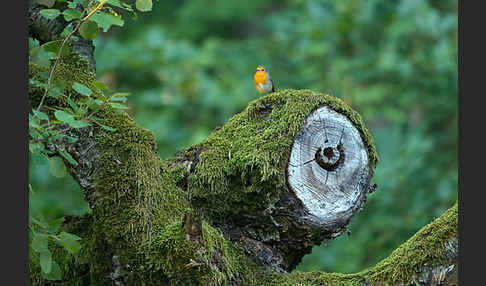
223	212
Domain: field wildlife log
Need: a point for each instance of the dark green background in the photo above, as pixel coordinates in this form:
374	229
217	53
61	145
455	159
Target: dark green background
189	68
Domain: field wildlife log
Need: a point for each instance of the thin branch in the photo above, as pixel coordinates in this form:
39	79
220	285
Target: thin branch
51	75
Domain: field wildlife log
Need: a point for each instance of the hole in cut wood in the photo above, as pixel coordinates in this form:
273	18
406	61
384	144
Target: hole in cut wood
329	158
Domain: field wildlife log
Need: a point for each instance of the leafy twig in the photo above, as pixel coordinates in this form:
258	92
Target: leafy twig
51	75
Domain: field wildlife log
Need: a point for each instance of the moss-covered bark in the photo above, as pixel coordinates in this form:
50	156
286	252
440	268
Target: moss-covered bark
432	247
135	234
237	177
219	213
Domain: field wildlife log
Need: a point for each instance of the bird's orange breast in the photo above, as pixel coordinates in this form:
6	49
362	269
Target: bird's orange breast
260	77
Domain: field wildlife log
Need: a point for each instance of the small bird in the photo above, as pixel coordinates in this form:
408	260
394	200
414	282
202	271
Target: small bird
263	81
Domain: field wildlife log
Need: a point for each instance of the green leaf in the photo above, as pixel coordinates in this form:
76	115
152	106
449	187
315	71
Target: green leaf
46	261
82	89
55	273
45	75
118	105
79	124
55	224
36	147
106	20
144	5
57	167
71	14
33	122
81	112
37	83
39	243
40	222
72	139
90	102
119	4
101	85
41	115
67	30
55	92
108	128
72	5
89	30
45	57
70	242
50	13
33	43
119	99
63	116
54	47
35	134
68	157
33	46
121	94
73	104
115	3
34	50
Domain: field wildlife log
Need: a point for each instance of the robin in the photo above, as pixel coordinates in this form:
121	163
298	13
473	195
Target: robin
263	81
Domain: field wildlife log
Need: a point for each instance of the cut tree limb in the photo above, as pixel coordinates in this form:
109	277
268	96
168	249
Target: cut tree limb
328	168
257	178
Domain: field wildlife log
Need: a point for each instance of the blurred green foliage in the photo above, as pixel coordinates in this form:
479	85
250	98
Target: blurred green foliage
189	68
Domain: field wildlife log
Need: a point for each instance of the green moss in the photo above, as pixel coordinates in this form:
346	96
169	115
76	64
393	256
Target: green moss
426	246
134	181
250	152
73	68
211	261
142	210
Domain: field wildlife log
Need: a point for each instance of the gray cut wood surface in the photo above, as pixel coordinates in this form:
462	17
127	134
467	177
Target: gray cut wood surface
328	167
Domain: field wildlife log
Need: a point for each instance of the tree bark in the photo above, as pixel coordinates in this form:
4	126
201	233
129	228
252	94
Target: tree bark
45	30
240	208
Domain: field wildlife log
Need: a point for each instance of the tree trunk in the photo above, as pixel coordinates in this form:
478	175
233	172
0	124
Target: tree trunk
240	208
